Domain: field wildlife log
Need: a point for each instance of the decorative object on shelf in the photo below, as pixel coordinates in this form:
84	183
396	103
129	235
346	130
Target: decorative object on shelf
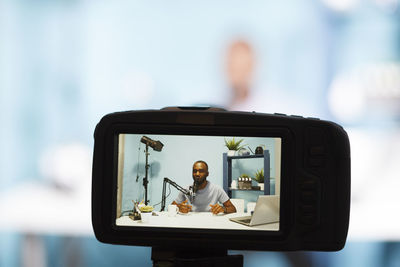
244	181
260	150
233	146
259	177
234	184
240	182
248	183
261	186
243	152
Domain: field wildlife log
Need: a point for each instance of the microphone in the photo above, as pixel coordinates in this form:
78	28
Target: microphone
192	191
195	187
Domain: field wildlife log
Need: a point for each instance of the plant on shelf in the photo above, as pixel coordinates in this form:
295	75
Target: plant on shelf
233	145
259	177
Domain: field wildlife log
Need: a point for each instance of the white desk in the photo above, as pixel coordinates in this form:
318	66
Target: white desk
202	220
35	209
40	209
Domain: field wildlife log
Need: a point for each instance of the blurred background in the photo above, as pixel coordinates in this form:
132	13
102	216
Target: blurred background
65	64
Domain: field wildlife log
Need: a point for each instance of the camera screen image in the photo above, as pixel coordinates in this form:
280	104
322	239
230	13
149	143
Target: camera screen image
199	182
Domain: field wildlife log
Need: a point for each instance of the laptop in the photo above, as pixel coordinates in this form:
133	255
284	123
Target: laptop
266	211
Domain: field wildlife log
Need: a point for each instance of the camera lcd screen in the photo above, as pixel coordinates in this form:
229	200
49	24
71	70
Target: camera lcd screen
189	181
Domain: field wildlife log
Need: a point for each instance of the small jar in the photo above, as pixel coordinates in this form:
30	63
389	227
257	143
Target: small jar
241	182
234	184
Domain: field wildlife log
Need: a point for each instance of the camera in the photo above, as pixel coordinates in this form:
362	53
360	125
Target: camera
294	186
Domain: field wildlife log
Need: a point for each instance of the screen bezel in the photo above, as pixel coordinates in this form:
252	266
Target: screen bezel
164	235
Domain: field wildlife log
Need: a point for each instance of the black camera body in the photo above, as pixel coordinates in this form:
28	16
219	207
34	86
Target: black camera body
314	179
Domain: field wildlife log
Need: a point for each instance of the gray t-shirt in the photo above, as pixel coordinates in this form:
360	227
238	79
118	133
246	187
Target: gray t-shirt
209	195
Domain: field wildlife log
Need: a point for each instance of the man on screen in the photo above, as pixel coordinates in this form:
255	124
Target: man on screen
208	195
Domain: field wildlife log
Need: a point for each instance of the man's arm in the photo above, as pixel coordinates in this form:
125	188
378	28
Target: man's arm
227	208
183	207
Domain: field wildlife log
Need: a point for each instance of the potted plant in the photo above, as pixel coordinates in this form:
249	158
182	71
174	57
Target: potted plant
259	177
233	145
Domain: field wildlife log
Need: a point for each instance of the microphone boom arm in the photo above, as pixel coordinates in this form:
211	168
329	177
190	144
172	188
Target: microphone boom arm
180	188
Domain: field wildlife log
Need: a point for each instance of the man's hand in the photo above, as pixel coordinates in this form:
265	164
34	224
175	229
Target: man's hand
184	207
216	208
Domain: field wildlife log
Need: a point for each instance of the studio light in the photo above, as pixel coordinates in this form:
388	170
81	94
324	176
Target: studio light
156	145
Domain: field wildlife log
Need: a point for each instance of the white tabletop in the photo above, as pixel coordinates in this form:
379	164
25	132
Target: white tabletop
42	209
203	220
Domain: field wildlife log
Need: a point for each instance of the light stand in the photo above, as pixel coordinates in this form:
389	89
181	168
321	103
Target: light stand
146	179
157	146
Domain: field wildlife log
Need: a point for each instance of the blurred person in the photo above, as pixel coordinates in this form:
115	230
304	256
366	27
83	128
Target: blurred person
240	67
245	94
